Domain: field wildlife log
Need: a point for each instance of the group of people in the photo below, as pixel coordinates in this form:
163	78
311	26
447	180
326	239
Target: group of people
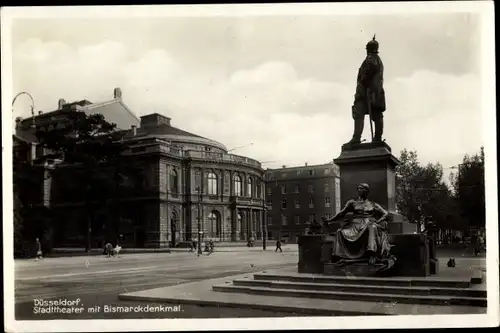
209	246
111	251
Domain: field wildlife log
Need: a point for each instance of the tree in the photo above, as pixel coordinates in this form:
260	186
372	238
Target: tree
26	194
470	191
88	141
422	194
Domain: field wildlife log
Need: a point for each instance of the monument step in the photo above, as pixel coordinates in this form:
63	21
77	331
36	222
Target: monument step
355	296
372	281
362	288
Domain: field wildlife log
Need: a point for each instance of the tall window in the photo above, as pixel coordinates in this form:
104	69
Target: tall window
249	187
283	204
269	191
269	220
297	219
212	183
237	186
214	224
312	217
174	181
310	189
269	204
327	202
297	203
283	189
297	188
311	202
327	187
284	220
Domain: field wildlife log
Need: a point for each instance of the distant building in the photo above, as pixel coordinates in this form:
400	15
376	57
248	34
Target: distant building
159	207
298	195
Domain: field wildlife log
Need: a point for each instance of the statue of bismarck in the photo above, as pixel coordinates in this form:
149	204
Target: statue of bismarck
370	95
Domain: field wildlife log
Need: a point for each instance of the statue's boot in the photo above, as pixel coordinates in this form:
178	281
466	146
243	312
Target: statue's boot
379	129
359	124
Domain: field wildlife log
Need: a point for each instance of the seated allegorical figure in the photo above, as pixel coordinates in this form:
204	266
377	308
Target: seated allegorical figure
365	238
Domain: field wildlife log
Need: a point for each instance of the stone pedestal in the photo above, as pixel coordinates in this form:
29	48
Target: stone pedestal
374	164
412	253
314	252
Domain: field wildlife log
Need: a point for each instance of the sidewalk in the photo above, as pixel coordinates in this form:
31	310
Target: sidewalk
220	247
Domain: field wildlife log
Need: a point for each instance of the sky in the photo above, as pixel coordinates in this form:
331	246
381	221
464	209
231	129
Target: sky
283	83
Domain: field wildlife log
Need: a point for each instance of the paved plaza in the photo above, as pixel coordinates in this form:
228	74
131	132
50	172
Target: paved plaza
97	281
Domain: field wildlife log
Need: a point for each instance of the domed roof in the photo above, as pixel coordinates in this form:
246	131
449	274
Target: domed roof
158	126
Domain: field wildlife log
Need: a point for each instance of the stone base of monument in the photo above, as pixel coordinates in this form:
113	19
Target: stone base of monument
412	253
410	250
358	269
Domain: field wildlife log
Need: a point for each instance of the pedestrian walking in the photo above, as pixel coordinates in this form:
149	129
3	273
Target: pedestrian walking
108	250
278	246
479	245
38	249
191	246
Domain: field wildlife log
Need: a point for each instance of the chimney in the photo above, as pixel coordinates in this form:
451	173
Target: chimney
61	103
134	130
306	163
117	93
283	166
40	113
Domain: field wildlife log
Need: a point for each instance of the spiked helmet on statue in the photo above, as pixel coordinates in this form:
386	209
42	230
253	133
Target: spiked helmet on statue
372	46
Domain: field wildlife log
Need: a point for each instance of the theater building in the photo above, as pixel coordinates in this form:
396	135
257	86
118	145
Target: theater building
298	195
187	184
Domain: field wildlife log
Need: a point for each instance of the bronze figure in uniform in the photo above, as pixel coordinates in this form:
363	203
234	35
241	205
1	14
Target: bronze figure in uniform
370	95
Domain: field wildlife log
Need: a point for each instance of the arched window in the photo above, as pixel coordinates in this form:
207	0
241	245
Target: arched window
212	183
250	187
215	225
174	179
237	186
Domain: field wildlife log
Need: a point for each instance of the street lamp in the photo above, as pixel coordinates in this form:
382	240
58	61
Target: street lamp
32	106
200	232
264	237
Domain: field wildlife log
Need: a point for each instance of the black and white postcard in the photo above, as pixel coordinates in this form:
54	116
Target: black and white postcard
249	166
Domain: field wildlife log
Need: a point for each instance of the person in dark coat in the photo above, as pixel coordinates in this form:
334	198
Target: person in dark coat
38	249
369	92
278	246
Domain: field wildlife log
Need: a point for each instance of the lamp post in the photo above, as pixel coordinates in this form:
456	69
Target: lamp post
264	222
199	221
32	105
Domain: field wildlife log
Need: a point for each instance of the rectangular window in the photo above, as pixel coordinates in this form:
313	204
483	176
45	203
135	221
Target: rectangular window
310	189
297	188
297	203
283	189
284	220
337	195
327	171
327	187
327	202
311	202
297	219
269	204
311	172
283	204
269	220
269	191
312	217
